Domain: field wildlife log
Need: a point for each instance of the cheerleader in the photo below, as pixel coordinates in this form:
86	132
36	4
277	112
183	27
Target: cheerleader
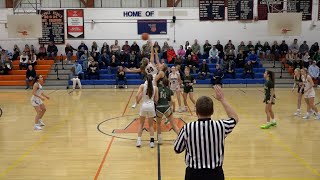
149	96
175	81
269	99
309	94
188	82
37	102
298	82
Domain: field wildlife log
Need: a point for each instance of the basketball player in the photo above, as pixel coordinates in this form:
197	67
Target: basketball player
164	109
149	96
298	82
188	82
269	99
309	94
37	102
175	81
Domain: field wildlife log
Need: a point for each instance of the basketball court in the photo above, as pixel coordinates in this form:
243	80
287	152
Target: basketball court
88	135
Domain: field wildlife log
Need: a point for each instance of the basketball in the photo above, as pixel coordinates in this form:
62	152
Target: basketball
145	36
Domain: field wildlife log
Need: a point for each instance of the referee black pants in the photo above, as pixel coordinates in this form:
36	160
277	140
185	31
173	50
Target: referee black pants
204	174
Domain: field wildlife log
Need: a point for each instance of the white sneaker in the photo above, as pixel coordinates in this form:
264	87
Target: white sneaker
138	143
41	123
126	86
115	86
152	144
298	113
134	105
306	117
37	127
159	140
180	110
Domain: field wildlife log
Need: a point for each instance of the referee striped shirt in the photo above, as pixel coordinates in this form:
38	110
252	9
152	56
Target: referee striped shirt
203	141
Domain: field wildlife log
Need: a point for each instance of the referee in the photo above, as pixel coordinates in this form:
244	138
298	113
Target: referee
204	140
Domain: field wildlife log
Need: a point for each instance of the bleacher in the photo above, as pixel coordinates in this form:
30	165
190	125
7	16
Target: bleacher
17	77
136	79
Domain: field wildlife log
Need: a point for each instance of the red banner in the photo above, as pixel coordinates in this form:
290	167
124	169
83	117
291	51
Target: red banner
75	22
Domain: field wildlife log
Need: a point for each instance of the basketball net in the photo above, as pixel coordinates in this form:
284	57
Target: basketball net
285	31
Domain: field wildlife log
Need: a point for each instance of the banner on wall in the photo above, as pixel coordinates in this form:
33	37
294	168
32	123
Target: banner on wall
52	26
158	26
75	23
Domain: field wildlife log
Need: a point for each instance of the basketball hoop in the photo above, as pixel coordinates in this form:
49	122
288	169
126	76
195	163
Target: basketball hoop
23	34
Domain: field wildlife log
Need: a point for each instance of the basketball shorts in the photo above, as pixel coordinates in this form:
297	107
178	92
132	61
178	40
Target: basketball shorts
147	110
163	111
188	89
302	90
36	101
175	88
310	94
267	98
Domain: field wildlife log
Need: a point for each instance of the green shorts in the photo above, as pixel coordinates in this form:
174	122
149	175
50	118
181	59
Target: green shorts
188	89
266	99
163	110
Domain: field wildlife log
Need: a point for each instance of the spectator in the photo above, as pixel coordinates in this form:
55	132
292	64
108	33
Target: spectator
196	48
217	76
206	48
294	47
105	48
121	76
290	58
104	60
23	60
195	60
33	59
156	46
122	59
189	51
113	64
132	61
3	55
275	50
214	55
146	50
258	48
248	70
27	49
220	49
313	71
249	47
230	68
16	52
186	45
78	70
6	66
242	47
228	46
266	50
228	56
178	60
171	55
93	69
204	140
74	78
254	59
32	49
204	70
81	49
42	52
304	48
165	48
52	50
126	50
30	75
240	60
85	59
297	62
135	48
190	63
283	48
115	49
95	48
314	49
95	56
69	51
181	52
306	60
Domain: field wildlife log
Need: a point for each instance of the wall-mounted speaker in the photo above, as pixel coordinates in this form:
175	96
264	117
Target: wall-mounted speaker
174	19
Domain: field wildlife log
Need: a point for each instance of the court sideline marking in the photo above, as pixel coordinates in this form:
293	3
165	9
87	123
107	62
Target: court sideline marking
159	163
110	143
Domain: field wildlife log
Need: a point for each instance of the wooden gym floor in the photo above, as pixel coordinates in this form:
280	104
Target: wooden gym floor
87	136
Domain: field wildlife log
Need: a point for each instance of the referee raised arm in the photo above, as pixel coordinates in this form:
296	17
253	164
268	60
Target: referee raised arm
204	139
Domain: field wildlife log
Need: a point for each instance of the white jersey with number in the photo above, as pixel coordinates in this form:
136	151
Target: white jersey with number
35	101
152	69
174	81
307	85
147	108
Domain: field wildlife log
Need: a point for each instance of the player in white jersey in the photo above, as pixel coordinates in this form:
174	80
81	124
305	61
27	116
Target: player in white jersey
37	102
309	94
175	82
149	96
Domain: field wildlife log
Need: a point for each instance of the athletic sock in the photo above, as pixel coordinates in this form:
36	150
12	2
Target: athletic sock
151	139
273	120
139	138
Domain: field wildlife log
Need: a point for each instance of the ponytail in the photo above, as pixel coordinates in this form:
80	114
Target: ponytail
36	79
150	85
271	76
